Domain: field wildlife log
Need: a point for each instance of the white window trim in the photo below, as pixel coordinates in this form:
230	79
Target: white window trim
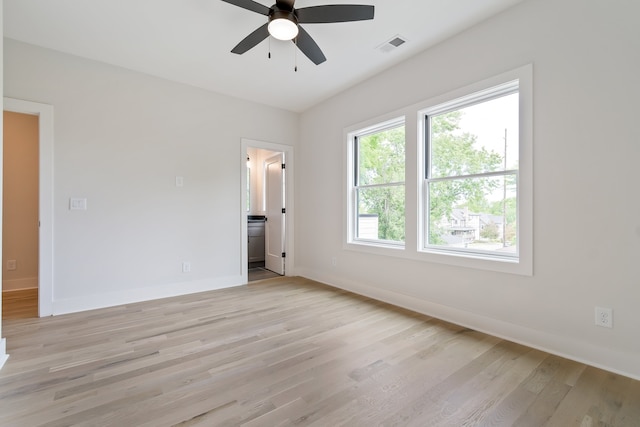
487	89
365	129
456	104
415	170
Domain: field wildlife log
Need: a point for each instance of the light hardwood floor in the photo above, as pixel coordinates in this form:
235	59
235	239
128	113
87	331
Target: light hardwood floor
20	304
261	273
285	352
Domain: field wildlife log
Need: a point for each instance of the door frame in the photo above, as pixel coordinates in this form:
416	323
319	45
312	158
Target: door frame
45	197
288	197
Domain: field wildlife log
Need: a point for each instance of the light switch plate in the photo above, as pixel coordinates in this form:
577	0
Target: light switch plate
76	204
179	181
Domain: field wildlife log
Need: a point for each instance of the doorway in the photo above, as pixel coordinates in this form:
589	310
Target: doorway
20	216
267	217
44	216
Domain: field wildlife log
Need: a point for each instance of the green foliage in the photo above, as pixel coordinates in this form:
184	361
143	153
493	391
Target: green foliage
490	231
388	204
381	160
453	154
381	157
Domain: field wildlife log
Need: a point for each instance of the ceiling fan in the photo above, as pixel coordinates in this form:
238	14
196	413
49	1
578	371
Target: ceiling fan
284	23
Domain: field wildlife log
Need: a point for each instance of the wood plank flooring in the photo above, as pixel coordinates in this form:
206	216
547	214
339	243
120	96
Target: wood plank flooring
20	304
260	273
290	352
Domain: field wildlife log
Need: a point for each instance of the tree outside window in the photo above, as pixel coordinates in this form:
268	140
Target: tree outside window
379	184
471	176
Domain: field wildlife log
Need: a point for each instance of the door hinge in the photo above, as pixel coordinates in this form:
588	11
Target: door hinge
284	254
283	166
284	210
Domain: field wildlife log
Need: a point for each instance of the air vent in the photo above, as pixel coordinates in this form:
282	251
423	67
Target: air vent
392	44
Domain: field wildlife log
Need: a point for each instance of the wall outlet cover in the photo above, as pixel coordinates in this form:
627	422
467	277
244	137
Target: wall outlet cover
186	267
604	317
76	204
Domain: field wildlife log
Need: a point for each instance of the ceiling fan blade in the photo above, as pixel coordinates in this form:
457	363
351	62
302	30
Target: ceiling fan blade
309	47
251	40
334	13
250	5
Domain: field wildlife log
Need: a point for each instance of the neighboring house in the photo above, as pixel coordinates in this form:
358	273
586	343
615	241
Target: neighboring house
368	226
463	227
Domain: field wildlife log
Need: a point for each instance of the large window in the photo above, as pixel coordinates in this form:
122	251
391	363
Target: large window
471	174
460	191
378	189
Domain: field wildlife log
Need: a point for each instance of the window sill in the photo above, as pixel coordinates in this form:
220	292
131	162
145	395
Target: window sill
522	266
511	265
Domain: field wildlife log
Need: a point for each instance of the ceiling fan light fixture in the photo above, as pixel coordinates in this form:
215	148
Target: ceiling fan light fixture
283	20
283	25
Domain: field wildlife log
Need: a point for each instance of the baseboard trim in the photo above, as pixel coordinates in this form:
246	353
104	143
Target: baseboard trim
111	299
567	347
3	352
17	284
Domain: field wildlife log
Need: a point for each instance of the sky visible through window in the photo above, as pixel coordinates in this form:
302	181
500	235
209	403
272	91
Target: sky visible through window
488	121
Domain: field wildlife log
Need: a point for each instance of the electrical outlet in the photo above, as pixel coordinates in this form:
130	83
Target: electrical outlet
334	262
604	317
12	264
186	267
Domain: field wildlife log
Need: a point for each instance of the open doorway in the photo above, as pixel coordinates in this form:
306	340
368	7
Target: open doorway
266	196
20	216
266	214
42	219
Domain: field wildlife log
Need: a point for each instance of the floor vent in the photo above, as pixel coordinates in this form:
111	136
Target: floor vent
392	44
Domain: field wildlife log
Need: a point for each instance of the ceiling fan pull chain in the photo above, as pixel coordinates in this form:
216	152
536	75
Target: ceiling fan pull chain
269	56
295	55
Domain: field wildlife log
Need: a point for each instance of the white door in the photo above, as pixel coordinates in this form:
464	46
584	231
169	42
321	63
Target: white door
274	227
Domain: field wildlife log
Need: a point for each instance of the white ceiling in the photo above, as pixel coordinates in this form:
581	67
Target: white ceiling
189	41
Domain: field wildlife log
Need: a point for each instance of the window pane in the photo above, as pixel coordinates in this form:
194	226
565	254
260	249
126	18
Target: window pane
473	213
476	139
381	157
380	213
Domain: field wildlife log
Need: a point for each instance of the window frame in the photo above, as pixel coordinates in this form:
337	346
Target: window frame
476	98
353	187
414	174
482	91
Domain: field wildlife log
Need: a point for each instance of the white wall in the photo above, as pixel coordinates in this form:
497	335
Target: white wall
121	138
586	210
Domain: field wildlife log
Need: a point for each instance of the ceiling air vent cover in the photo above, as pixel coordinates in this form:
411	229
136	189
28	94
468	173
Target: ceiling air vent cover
392	44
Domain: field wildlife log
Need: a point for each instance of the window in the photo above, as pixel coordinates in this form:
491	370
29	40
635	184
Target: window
377	199
459	191
471	148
